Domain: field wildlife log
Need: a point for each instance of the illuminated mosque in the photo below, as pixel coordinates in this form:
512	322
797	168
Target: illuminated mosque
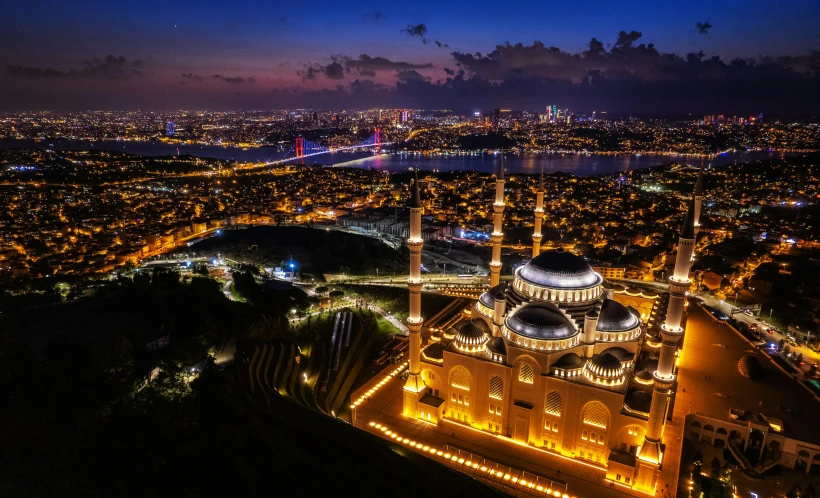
558	358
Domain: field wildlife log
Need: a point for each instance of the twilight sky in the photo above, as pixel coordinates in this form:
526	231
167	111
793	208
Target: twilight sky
647	57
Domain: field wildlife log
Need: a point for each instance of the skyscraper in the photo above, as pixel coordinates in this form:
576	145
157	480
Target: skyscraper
170	128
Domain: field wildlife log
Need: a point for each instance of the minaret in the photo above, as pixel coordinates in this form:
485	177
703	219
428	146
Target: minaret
414	386
698	200
539	217
671	331
498	220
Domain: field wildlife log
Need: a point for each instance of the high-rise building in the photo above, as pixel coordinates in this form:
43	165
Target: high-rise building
404	116
170	128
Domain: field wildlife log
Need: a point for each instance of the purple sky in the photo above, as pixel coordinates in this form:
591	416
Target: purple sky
93	54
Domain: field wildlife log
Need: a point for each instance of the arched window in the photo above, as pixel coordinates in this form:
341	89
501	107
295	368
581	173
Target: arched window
553	405
596	414
526	374
496	387
460	378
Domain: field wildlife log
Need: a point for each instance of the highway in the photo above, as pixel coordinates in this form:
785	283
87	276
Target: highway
775	337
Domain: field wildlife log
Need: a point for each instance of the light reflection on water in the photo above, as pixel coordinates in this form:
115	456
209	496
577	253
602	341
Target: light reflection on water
577	164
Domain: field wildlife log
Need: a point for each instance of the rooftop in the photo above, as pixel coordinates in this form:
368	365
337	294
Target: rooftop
713	350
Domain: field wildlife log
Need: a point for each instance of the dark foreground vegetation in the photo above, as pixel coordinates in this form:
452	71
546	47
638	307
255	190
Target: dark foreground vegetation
118	394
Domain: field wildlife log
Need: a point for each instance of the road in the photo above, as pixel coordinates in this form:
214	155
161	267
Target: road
725	307
390	318
226	289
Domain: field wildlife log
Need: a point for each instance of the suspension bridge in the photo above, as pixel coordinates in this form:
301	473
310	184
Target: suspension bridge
305	148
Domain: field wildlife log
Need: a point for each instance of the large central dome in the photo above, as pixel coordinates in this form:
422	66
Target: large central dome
559	270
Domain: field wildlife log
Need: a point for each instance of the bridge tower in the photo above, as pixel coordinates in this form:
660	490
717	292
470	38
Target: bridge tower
300	147
377	139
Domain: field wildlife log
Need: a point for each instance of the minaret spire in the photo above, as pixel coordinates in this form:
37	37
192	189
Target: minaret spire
539	217
698	198
671	332
414	386
498	221
415	201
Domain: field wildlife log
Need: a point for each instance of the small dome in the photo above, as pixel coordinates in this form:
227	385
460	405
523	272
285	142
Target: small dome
472	334
541	320
605	366
749	367
615	317
622	354
638	401
559	270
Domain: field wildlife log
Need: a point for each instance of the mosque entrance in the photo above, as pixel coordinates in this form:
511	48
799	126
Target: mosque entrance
522	430
521	414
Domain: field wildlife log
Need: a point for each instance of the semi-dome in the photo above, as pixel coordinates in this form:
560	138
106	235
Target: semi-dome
559	270
569	361
541	321
471	336
615	317
488	298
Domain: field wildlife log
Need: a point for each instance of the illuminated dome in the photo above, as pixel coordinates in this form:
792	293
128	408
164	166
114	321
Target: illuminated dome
541	321
615	317
605	368
472	336
559	270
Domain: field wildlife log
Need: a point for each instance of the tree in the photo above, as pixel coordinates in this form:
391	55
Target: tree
796	491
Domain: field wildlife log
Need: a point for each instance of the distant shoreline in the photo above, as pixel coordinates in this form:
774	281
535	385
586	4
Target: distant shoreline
578	163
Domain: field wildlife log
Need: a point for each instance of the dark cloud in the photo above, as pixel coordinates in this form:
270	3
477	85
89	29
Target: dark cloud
364	65
334	71
112	68
440	44
192	77
703	27
629	77
419	30
234	79
374	15
410	74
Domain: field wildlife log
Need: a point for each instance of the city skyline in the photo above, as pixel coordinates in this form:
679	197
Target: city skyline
662	60
552	249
